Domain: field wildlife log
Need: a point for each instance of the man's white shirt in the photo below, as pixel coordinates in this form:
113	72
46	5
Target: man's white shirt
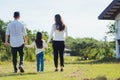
16	30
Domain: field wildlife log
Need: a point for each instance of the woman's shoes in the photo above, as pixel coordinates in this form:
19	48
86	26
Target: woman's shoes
56	70
61	70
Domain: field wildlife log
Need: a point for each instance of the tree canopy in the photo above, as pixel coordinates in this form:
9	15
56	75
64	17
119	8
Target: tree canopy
85	48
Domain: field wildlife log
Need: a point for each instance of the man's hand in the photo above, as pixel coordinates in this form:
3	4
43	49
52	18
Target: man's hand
6	40
6	44
25	40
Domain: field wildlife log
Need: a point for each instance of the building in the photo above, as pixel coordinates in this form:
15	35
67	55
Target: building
67	52
112	12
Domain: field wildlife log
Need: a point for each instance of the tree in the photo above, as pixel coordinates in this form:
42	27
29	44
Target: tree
30	52
5	50
111	30
89	48
2	31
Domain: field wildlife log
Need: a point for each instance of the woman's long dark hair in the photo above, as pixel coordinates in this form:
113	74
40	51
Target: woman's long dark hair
59	23
38	40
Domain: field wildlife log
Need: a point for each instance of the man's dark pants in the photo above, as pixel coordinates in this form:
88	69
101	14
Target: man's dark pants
14	51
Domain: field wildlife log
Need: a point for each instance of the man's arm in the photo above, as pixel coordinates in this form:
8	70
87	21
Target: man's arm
7	34
25	35
6	40
25	40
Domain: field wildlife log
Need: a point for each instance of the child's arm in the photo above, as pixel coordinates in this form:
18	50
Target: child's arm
31	45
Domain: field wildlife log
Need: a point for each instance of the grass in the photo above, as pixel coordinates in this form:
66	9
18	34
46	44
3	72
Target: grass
73	71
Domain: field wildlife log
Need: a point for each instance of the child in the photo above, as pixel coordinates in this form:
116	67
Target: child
40	46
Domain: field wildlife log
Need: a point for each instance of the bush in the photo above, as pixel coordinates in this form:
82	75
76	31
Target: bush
4	58
47	57
30	54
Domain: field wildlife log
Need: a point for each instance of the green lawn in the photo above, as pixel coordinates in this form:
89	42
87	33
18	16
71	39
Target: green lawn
72	71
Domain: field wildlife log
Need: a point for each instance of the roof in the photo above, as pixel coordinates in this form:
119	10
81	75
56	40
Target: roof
111	11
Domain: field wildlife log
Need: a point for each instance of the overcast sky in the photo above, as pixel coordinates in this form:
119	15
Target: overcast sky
80	16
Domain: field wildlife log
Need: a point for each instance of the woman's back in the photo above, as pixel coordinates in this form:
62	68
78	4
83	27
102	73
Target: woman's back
59	35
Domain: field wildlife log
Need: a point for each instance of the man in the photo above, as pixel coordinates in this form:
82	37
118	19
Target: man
18	37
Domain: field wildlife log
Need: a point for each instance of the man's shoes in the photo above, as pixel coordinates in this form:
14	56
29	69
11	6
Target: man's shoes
15	71
21	69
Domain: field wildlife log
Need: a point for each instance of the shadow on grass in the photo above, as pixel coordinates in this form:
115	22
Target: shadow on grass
22	74
105	60
101	78
16	74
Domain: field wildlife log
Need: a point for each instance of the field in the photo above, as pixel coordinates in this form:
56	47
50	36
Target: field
73	70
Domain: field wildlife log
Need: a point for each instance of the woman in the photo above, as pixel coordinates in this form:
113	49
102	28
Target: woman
60	33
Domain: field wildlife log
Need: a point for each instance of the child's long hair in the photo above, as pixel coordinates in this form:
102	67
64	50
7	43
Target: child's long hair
59	23
38	40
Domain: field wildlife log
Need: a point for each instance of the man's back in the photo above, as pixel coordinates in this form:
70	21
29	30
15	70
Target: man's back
16	31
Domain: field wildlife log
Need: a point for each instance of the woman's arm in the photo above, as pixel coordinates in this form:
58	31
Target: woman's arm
51	34
66	33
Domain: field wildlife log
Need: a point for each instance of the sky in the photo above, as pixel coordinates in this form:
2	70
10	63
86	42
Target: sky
80	16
